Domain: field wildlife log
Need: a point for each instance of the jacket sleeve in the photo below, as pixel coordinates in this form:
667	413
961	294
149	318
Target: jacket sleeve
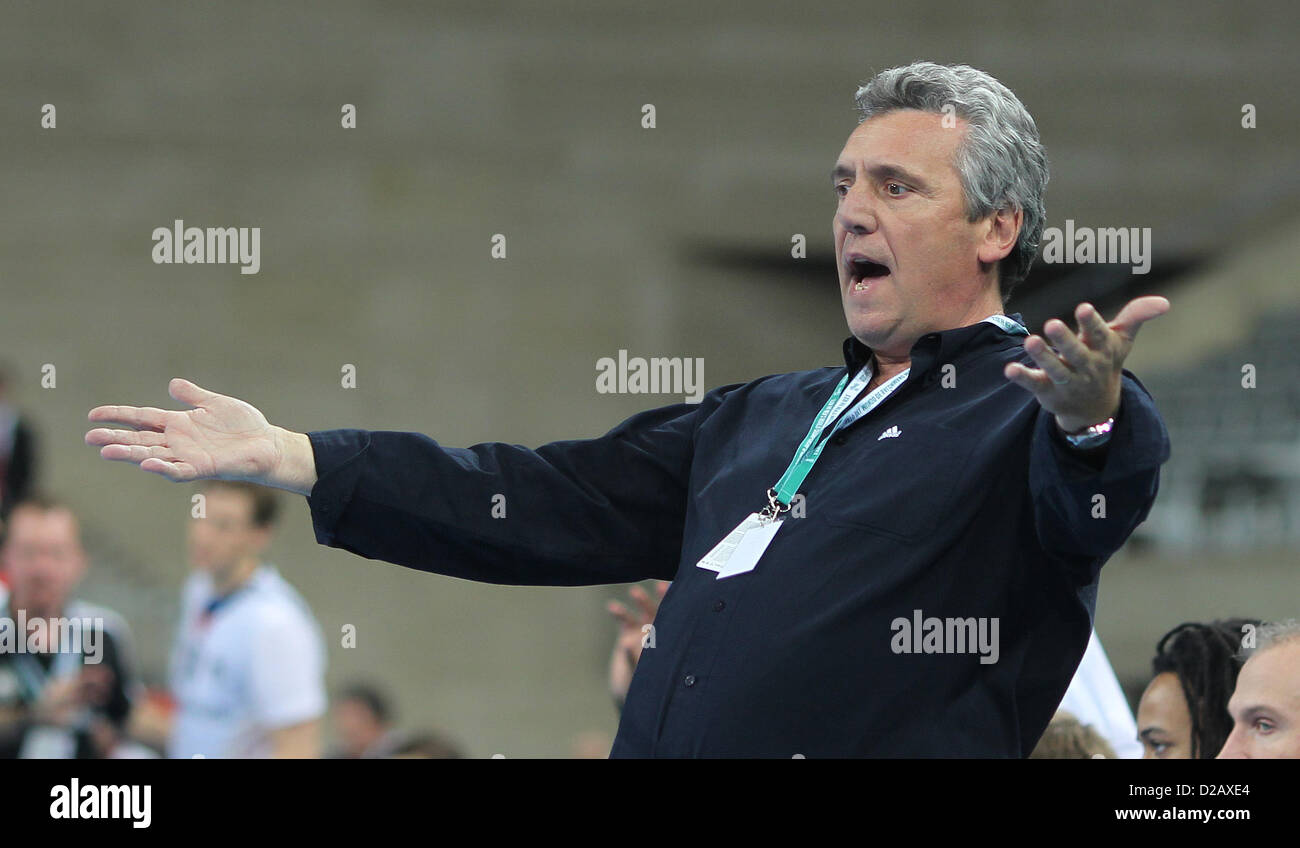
1087	507
604	510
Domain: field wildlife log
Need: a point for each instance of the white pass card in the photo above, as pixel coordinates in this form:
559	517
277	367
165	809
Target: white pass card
740	551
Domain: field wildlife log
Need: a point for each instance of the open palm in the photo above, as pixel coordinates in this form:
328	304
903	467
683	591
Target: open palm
222	437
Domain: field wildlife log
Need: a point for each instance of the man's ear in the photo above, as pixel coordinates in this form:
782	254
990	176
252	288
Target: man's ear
1000	234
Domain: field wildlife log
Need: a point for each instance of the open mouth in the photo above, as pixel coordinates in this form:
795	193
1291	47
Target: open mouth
862	271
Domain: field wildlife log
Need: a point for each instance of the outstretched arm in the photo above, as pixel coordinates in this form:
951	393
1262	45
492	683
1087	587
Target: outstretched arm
605	510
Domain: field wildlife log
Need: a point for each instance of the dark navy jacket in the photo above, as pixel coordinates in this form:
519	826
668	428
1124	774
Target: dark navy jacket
977	509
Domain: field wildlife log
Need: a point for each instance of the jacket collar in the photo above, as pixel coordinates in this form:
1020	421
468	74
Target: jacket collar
942	346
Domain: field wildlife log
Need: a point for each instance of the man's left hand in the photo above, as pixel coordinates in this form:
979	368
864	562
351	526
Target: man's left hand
1079	377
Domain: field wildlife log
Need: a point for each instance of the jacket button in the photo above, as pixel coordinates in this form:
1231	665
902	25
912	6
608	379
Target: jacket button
719	605
689	680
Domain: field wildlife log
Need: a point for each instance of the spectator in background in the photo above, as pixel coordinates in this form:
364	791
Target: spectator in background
17	450
1183	714
363	723
1067	738
58	699
635	633
248	665
1265	704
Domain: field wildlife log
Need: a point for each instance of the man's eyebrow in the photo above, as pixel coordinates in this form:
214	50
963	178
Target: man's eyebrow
1253	711
881	171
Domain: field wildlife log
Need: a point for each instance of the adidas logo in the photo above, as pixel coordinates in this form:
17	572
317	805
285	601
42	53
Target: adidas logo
891	433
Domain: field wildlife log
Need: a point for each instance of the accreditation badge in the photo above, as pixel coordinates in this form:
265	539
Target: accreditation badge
741	549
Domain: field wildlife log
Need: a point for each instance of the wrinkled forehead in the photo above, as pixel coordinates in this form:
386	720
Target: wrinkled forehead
1270	679
908	137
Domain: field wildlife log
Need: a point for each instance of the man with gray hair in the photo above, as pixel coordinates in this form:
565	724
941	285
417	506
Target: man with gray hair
926	590
1265	706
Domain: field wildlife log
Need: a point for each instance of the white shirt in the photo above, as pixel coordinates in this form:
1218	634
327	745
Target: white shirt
1095	698
254	664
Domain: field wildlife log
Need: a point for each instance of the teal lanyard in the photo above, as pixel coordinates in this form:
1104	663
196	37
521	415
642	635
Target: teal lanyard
805	457
811	447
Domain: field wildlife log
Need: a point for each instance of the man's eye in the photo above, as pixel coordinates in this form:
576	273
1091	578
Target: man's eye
1264	725
841	190
889	187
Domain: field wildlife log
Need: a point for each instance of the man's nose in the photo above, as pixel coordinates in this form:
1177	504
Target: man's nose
1232	749
857	212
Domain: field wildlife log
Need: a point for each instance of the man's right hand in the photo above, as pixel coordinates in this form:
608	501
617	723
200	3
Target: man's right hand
222	438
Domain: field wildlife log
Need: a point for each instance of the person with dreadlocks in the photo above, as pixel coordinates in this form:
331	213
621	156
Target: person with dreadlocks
1183	714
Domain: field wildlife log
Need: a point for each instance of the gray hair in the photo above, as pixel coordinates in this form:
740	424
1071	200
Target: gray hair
1001	162
1272	634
